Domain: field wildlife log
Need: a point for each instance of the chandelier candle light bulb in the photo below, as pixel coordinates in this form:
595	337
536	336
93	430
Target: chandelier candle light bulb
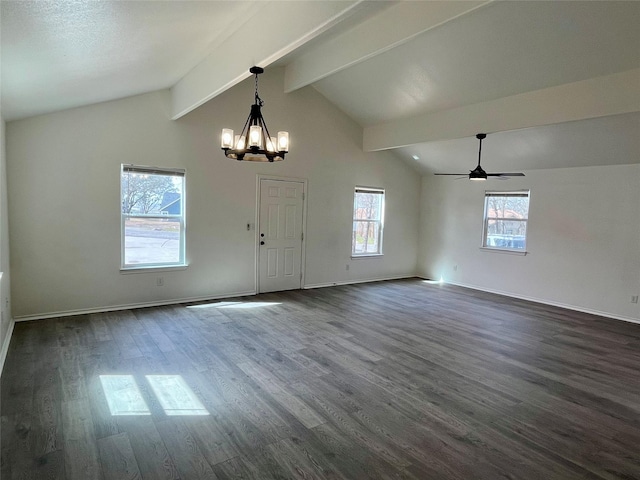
227	138
255	136
254	142
283	141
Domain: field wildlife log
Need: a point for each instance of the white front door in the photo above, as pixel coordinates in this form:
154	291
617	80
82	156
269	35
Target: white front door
280	235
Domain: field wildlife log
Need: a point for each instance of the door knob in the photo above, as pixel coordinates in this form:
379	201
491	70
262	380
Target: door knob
262	243
262	234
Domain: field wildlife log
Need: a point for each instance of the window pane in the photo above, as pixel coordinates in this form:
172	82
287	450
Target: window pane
150	193
368	206
506	217
368	215
365	237
505	234
152	240
507	207
506	227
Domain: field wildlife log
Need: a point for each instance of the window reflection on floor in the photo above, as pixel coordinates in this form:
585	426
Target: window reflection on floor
174	395
235	305
123	395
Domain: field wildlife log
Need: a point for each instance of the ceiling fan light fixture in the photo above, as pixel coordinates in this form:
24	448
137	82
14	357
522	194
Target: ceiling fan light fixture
254	143
478	174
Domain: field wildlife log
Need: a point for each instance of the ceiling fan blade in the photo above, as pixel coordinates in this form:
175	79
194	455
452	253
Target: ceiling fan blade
459	176
505	174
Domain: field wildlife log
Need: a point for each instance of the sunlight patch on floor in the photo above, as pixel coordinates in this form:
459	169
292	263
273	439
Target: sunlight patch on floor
236	305
123	395
175	396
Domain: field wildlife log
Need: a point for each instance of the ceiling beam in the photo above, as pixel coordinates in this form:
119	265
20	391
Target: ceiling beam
271	31
597	97
372	37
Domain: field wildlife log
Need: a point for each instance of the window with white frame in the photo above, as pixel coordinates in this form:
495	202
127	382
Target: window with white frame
505	220
368	221
152	217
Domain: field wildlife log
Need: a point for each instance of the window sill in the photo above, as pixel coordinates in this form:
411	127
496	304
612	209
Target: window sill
368	255
522	253
156	269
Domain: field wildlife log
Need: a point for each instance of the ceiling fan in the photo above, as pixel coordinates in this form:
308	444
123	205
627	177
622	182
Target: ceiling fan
478	173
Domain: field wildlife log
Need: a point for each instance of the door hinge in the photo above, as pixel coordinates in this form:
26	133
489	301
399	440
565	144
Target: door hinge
303	195
302	236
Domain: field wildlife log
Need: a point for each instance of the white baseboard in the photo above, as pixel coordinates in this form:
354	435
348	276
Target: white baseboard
130	306
351	282
548	302
113	308
5	345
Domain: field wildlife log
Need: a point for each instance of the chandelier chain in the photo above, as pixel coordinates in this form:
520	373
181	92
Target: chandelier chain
258	99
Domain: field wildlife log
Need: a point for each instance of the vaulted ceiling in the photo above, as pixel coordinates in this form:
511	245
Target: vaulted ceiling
421	77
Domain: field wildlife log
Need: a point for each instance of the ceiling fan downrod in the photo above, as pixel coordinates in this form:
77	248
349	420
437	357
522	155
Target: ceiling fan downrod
480	136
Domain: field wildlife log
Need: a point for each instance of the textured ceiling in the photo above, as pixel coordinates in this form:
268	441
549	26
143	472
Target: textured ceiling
380	62
63	54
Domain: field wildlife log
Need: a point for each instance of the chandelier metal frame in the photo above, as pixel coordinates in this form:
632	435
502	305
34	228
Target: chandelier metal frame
254	142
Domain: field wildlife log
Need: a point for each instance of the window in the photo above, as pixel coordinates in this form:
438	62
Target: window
152	217
505	220
368	221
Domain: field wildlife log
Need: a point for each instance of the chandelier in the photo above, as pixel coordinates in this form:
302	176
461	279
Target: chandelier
254	142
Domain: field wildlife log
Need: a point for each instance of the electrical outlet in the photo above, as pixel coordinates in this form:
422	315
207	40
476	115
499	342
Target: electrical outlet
347	267
160	281
634	298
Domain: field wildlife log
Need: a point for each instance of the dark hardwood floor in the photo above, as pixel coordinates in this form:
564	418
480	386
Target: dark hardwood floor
387	380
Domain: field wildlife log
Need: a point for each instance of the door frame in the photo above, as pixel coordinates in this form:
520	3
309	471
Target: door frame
305	186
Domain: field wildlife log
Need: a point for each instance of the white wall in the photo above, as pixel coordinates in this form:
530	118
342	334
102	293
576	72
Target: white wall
5	292
63	171
583	240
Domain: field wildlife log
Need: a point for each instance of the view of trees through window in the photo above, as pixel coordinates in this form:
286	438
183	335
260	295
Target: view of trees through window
505	220
152	216
143	192
368	213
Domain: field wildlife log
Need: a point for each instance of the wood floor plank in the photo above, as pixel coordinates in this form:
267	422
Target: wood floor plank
214	444
117	458
152	457
80	446
184	450
18	459
387	380
237	468
50	466
47	396
281	394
